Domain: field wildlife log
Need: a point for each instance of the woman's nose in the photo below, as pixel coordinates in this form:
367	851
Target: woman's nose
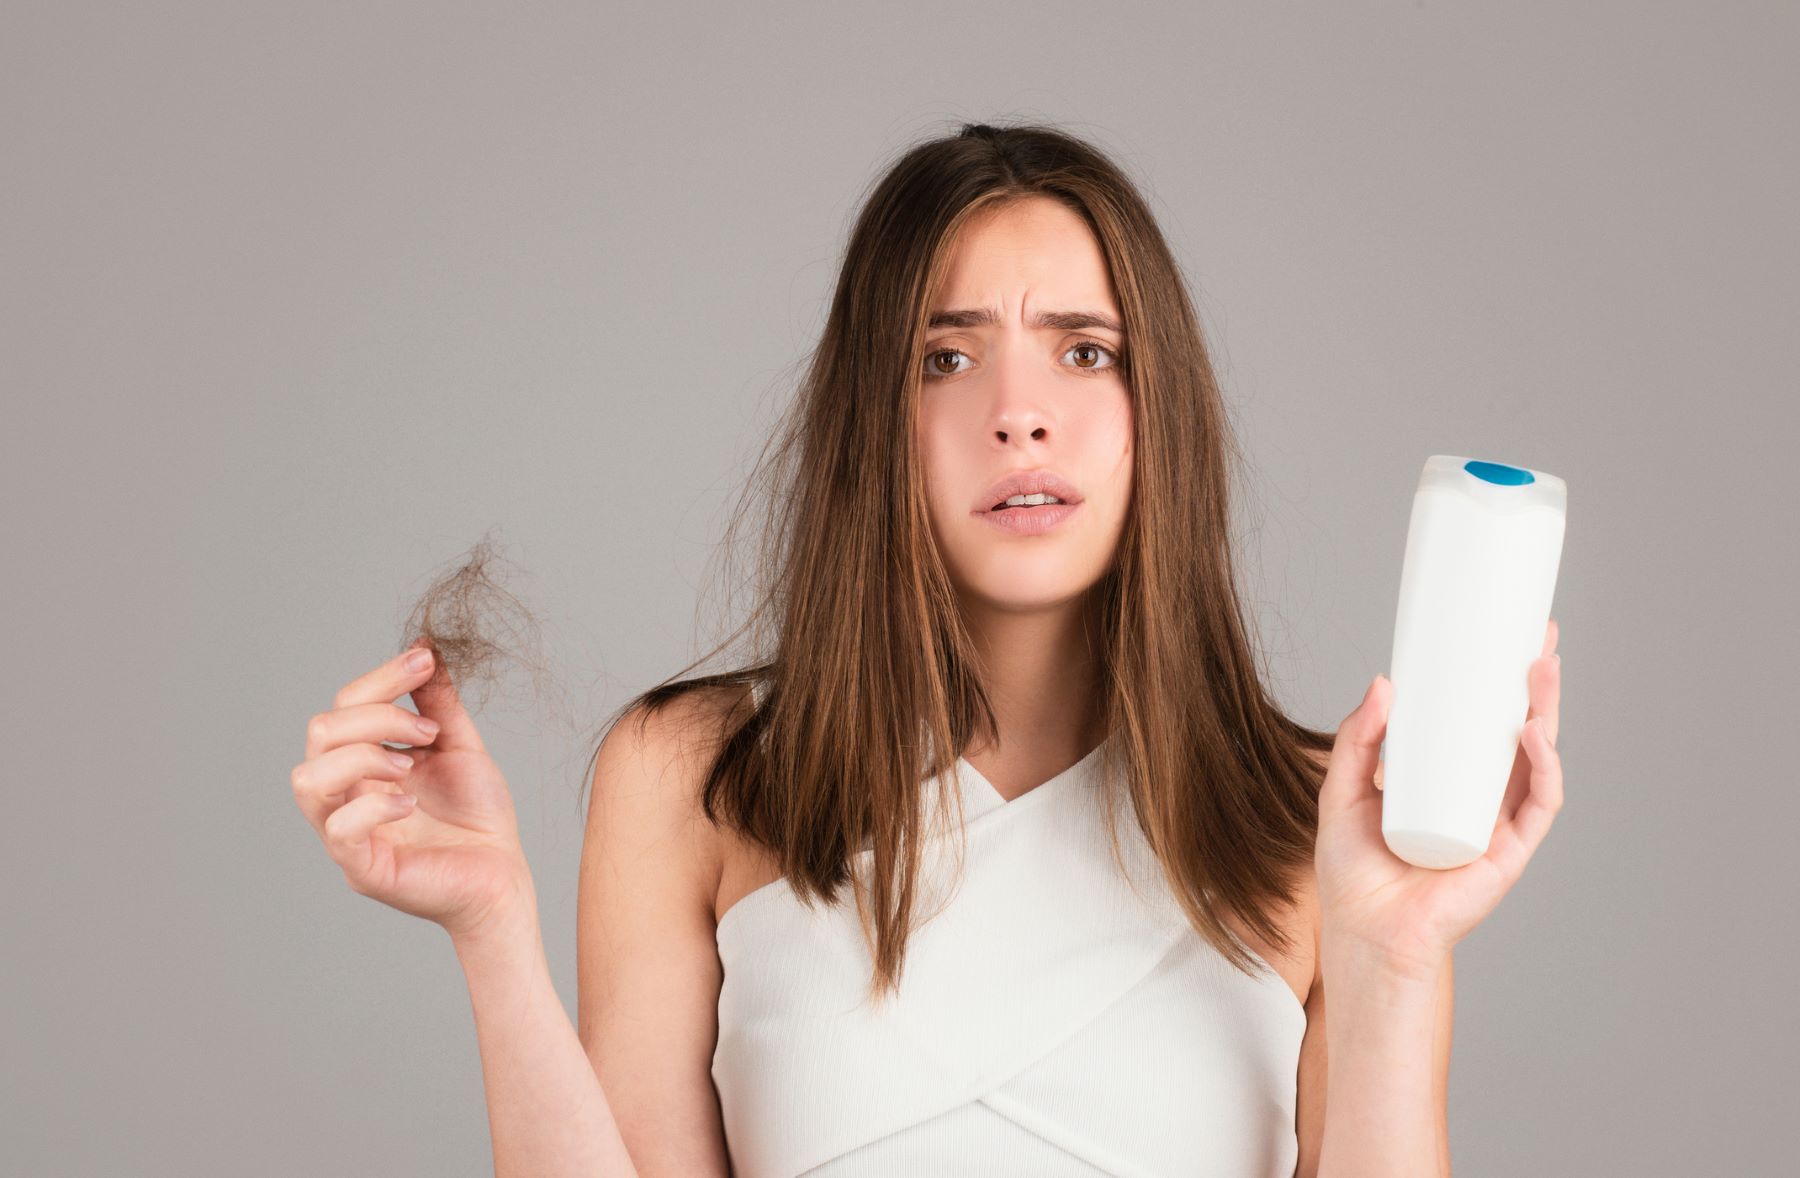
1020	407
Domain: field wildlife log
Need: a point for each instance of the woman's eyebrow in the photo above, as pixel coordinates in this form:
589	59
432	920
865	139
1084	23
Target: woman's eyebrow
1052	320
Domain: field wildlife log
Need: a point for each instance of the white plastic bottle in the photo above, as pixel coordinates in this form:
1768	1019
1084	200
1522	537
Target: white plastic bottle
1482	552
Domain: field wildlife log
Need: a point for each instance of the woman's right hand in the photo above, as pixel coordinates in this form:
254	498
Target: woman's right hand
437	839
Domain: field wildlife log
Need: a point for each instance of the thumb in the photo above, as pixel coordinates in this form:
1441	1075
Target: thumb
437	699
1357	750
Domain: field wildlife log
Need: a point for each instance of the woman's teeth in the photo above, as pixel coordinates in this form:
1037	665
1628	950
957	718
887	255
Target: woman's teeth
1026	501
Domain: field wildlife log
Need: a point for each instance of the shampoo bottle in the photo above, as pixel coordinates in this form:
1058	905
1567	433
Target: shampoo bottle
1479	572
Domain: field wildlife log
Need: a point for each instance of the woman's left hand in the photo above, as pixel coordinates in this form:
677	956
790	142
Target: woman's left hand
1407	918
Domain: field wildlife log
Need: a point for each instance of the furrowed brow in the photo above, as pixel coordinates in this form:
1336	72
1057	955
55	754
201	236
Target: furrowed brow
1049	320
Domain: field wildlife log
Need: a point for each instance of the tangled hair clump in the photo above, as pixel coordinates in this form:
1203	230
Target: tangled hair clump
475	627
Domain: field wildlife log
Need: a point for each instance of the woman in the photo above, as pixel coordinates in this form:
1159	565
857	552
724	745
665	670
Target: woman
1096	938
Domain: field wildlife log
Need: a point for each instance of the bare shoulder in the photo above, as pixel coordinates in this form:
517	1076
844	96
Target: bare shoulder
648	973
649	774
681	734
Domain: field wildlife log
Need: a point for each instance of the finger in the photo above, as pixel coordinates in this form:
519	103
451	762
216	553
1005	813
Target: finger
1546	694
388	682
347	832
369	723
1517	838
437	699
1532	819
324	783
1542	680
1355	751
1551	633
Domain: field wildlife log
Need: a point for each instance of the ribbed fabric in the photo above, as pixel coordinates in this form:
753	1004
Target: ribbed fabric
1053	1018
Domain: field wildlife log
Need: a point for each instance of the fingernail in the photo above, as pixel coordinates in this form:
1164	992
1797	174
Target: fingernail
418	660
404	801
400	760
428	727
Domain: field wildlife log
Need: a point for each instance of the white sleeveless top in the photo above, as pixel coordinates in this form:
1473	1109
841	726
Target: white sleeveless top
1051	1020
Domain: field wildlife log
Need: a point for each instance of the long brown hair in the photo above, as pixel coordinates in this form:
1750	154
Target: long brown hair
860	650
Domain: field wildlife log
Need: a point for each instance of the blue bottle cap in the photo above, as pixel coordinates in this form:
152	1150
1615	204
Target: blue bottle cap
1496	472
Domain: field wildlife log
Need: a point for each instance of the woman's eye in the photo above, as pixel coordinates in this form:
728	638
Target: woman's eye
1090	346
936	360
932	368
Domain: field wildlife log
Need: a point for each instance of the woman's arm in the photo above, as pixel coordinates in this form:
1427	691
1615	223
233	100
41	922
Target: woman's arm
1388	928
648	972
445	848
547	1115
1388	1040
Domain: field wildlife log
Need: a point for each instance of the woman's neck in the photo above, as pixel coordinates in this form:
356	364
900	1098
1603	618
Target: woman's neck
1042	678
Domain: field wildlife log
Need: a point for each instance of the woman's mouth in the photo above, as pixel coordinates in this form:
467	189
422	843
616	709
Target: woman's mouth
1029	519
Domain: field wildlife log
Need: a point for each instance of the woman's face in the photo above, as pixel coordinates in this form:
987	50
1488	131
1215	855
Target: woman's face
1013	394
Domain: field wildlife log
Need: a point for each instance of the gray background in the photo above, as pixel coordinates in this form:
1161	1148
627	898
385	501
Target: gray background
302	299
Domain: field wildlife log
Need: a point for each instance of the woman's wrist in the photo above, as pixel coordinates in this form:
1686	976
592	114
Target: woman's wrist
509	922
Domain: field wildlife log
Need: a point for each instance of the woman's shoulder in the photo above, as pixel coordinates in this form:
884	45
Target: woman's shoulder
678	731
652	769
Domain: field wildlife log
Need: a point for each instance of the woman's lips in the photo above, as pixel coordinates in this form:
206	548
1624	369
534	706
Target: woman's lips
1030	520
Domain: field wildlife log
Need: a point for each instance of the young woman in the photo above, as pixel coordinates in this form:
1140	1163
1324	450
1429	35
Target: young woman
1000	859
